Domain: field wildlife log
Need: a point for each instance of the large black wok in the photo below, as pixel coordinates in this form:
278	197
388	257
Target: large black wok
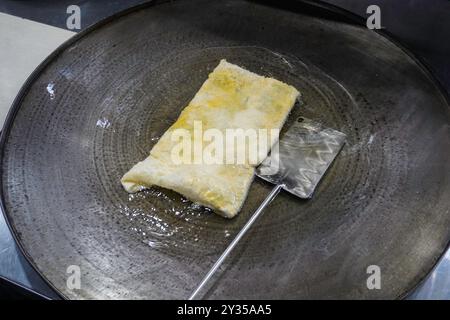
99	103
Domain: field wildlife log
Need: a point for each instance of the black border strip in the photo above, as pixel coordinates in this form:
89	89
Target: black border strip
22	290
305	6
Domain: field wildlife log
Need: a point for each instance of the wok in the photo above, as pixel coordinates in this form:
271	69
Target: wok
99	103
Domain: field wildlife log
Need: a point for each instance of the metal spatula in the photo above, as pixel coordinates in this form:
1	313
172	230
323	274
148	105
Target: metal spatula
296	164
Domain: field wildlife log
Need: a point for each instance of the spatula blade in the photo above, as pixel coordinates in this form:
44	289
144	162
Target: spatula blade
302	157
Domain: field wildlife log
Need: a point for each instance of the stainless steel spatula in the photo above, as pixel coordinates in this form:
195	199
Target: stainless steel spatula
296	164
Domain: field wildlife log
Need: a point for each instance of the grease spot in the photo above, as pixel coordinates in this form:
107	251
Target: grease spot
51	90
103	123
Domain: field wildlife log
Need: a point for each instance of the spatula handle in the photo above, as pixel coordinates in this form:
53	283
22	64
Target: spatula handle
235	241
